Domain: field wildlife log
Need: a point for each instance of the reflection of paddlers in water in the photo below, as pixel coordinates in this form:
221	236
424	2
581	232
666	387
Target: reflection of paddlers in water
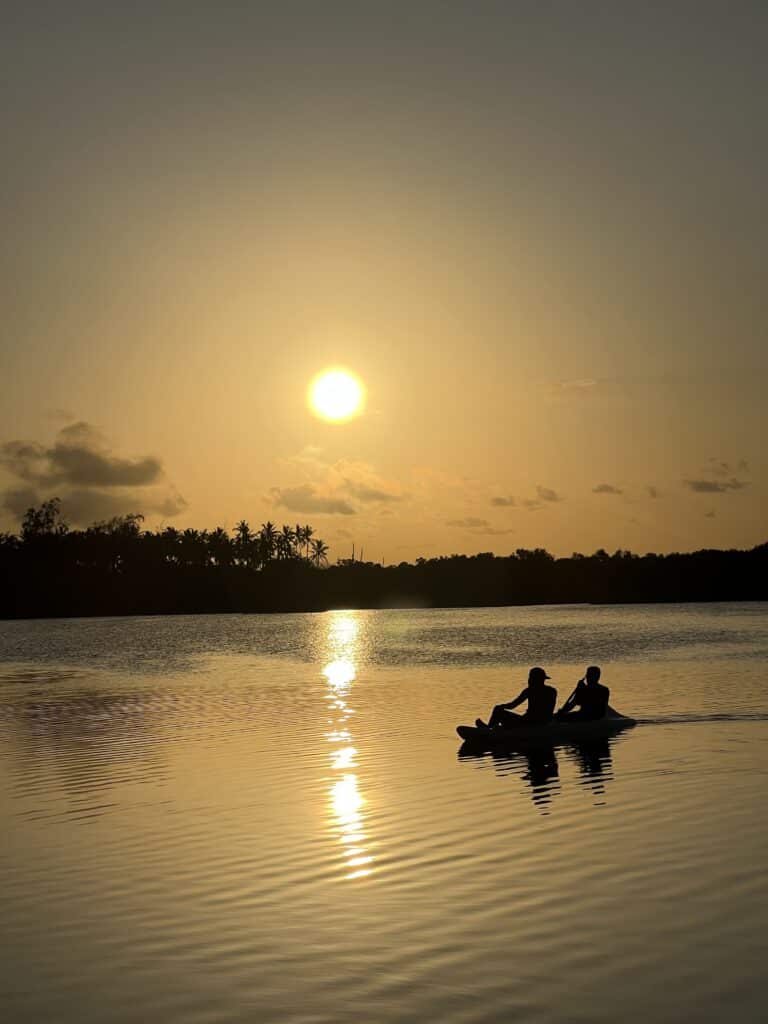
590	696
541	705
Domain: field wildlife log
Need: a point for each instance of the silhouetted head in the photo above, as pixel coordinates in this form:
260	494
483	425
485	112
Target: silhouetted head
537	676
593	674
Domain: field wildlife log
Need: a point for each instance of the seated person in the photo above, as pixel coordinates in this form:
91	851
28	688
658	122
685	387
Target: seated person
590	696
541	705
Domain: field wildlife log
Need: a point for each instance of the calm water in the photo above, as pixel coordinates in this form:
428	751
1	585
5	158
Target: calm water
243	818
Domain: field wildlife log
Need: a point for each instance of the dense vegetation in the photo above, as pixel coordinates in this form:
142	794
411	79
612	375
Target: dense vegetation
118	568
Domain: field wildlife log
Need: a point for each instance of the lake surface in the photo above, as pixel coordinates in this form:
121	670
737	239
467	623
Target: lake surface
268	818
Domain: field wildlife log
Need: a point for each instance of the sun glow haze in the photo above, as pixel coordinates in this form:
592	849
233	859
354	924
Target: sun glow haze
336	395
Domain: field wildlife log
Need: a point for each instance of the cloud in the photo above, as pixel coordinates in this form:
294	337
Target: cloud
652	491
78	457
77	465
544	496
359	480
477	526
307	498
364	492
716	486
18	500
720	477
20	458
606	489
584	386
335	488
720	468
547	494
92	483
709	515
502	502
86	505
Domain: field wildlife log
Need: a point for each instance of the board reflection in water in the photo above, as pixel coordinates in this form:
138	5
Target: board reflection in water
537	764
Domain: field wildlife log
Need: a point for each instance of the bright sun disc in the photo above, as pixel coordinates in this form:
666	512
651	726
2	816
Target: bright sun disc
336	395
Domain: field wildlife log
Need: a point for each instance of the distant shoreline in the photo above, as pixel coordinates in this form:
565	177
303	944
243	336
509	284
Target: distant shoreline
116	568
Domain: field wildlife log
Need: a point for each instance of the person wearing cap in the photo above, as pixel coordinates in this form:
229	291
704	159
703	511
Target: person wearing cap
590	696
541	705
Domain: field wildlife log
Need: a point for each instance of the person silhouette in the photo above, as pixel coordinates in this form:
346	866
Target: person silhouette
541	705
590	696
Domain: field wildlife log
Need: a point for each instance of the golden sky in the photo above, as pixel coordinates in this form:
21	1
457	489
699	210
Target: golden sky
536	232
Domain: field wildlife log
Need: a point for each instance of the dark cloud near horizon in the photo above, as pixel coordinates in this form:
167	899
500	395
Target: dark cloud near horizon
607	489
716	486
78	457
91	482
85	506
544	496
307	498
477	526
547	494
504	502
720	477
17	500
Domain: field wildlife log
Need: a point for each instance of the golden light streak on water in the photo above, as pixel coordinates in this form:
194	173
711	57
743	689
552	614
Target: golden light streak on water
345	799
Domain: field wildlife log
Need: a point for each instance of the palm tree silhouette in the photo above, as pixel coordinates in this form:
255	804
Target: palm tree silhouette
307	533
243	539
219	547
319	552
267	542
285	541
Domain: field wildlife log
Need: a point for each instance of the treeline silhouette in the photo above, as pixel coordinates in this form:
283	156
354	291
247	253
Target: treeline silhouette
118	568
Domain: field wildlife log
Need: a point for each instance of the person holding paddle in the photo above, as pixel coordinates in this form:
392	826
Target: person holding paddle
590	696
541	705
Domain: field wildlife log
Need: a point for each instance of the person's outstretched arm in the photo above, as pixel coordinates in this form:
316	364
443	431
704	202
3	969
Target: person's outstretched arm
518	700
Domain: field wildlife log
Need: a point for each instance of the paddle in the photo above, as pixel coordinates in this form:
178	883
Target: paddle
572	695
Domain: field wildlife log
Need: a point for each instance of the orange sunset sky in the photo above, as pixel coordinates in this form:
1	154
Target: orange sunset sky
537	232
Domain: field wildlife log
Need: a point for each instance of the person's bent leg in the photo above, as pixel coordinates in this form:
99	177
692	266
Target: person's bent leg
503	719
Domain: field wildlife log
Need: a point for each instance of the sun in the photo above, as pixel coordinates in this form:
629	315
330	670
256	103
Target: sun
336	395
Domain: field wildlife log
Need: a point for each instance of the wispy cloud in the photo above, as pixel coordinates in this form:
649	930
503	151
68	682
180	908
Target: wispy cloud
580	385
719	476
307	498
607	489
716	486
544	497
504	502
335	488
547	494
477	525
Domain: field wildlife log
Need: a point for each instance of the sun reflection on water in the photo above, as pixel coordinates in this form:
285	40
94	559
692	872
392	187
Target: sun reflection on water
345	799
